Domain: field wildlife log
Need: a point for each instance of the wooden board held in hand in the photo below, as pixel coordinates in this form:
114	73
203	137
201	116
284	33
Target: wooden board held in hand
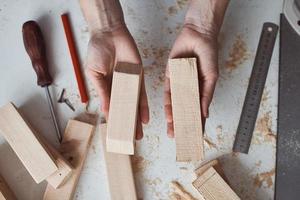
25	144
119	172
5	192
212	187
74	148
121	125
186	109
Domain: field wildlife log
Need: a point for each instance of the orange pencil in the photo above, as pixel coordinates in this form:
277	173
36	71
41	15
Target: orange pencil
74	56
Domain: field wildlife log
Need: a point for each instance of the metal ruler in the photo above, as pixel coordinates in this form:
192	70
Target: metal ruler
255	88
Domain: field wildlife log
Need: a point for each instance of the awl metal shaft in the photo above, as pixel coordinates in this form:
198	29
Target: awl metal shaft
53	114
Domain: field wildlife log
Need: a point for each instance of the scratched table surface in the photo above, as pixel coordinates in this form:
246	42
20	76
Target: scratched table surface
154	25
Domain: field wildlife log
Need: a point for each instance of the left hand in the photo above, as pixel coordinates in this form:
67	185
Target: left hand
192	42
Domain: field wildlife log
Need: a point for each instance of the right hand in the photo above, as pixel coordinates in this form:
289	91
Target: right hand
105	49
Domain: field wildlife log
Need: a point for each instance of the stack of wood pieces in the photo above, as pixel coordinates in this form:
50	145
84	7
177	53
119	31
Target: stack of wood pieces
61	168
211	184
186	110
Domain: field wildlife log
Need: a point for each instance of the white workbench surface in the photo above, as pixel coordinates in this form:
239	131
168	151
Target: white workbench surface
154	25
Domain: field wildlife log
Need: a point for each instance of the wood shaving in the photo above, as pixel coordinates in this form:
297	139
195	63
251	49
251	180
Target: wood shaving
237	54
179	193
264	177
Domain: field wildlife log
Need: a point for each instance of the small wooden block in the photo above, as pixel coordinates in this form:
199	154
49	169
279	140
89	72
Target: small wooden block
5	191
25	144
74	148
216	165
119	172
212	187
186	109
124	101
64	169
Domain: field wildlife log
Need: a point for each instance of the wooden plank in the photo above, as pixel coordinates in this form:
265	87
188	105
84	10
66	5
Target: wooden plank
212	187
186	109
122	117
5	191
74	148
119	172
25	144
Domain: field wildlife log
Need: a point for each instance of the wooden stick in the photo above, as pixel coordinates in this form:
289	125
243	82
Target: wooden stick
74	56
74	148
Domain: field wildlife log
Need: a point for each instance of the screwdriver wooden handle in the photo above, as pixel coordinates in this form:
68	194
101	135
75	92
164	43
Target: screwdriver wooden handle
35	46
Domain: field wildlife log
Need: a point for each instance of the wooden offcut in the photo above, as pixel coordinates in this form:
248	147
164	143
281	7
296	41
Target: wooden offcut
5	192
39	163
124	100
212	187
216	165
186	109
64	171
119	172
74	148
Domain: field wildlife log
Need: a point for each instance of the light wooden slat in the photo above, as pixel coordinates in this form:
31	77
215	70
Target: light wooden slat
186	109
119	172
122	117
25	144
211	185
74	148
5	191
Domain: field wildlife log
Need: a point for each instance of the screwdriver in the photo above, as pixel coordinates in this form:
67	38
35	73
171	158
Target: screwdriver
35	47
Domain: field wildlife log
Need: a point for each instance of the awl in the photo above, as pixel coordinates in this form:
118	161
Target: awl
35	47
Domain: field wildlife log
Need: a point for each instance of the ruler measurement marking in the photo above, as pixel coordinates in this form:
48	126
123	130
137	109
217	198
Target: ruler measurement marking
255	88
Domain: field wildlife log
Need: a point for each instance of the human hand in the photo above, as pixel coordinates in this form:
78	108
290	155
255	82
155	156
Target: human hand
105	49
193	42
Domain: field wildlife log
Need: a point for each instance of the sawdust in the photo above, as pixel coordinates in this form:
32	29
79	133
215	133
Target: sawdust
152	185
263	130
94	149
209	143
172	10
219	131
258	164
237	54
139	164
265	97
182	3
266	177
